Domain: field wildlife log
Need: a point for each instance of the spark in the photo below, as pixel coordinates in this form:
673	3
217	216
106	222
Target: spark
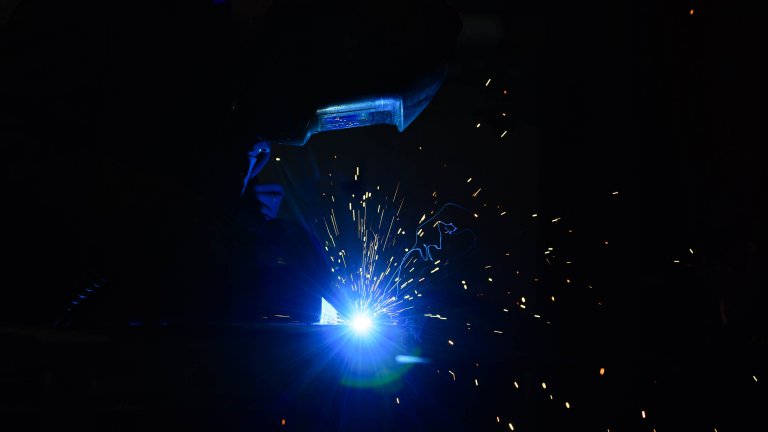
477	384
452	374
277	159
329	233
642	413
487	82
450	342
397	399
378	289
474	195
567	405
511	427
754	378
282	422
502	135
516	385
478	125
544	385
469	179
602	371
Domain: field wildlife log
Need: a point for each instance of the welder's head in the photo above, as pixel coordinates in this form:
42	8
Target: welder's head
336	64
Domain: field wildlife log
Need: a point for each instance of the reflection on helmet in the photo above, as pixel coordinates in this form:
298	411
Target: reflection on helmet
339	64
398	110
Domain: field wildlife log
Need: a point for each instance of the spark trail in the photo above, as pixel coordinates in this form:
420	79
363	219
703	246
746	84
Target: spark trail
386	279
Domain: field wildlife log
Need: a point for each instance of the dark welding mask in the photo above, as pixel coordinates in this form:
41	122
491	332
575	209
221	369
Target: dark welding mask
340	64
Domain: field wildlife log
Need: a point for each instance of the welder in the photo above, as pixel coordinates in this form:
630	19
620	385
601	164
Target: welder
134	133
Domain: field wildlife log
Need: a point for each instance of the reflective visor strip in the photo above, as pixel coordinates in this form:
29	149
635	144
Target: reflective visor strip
387	110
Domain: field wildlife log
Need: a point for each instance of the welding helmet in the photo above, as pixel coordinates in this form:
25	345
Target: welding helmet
339	64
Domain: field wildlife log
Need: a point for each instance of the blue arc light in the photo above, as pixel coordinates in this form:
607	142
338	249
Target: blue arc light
361	323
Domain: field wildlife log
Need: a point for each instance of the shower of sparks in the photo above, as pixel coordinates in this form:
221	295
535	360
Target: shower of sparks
382	280
384	263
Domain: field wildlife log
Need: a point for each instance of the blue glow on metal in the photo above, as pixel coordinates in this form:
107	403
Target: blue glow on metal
397	109
328	314
383	110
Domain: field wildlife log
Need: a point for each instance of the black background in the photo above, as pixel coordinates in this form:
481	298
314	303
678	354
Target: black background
666	285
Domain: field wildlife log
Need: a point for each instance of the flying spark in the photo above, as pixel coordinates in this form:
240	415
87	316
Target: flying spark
377	288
